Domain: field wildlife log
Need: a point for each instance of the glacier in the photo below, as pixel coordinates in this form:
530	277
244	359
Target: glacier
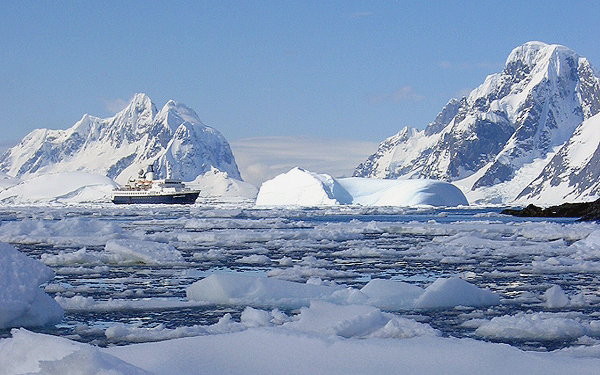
496	141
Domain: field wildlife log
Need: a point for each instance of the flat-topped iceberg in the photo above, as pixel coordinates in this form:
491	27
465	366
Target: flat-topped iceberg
299	187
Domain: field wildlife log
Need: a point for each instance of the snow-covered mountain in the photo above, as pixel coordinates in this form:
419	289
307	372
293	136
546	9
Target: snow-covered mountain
173	139
574	171
496	142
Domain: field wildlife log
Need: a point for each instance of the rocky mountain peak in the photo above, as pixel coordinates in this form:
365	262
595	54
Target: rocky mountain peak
119	146
515	118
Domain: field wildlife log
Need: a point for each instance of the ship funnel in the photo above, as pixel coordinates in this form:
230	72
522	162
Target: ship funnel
150	173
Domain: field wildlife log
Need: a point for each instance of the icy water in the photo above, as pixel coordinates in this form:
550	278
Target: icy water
519	259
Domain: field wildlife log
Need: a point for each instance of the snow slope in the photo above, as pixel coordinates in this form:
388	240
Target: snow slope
173	139
7	181
497	140
64	187
299	187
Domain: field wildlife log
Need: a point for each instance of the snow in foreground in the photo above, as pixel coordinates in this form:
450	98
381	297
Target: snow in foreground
299	187
280	350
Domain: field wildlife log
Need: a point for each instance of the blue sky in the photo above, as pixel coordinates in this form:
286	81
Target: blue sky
358	70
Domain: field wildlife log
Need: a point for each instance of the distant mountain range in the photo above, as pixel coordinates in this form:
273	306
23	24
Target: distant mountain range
173	139
528	133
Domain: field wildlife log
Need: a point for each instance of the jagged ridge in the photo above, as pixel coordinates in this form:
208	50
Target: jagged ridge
173	139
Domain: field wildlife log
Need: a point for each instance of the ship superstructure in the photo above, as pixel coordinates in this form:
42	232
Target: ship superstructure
145	189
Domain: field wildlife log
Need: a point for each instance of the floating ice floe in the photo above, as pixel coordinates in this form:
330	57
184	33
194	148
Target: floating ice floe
356	321
147	252
538	326
70	231
299	187
238	289
118	251
454	292
22	302
556	297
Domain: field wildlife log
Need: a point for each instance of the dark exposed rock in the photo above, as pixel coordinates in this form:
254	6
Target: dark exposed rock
584	211
545	99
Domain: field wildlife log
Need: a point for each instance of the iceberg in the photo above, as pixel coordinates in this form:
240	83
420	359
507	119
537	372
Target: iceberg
300	187
421	192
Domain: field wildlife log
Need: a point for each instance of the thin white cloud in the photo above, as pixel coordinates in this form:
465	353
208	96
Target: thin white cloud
263	158
406	93
403	94
115	105
463	92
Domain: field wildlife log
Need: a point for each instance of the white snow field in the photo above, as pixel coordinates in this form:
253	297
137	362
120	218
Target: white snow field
343	289
299	187
64	187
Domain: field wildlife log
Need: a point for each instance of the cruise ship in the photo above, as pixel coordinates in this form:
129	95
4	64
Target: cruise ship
145	189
